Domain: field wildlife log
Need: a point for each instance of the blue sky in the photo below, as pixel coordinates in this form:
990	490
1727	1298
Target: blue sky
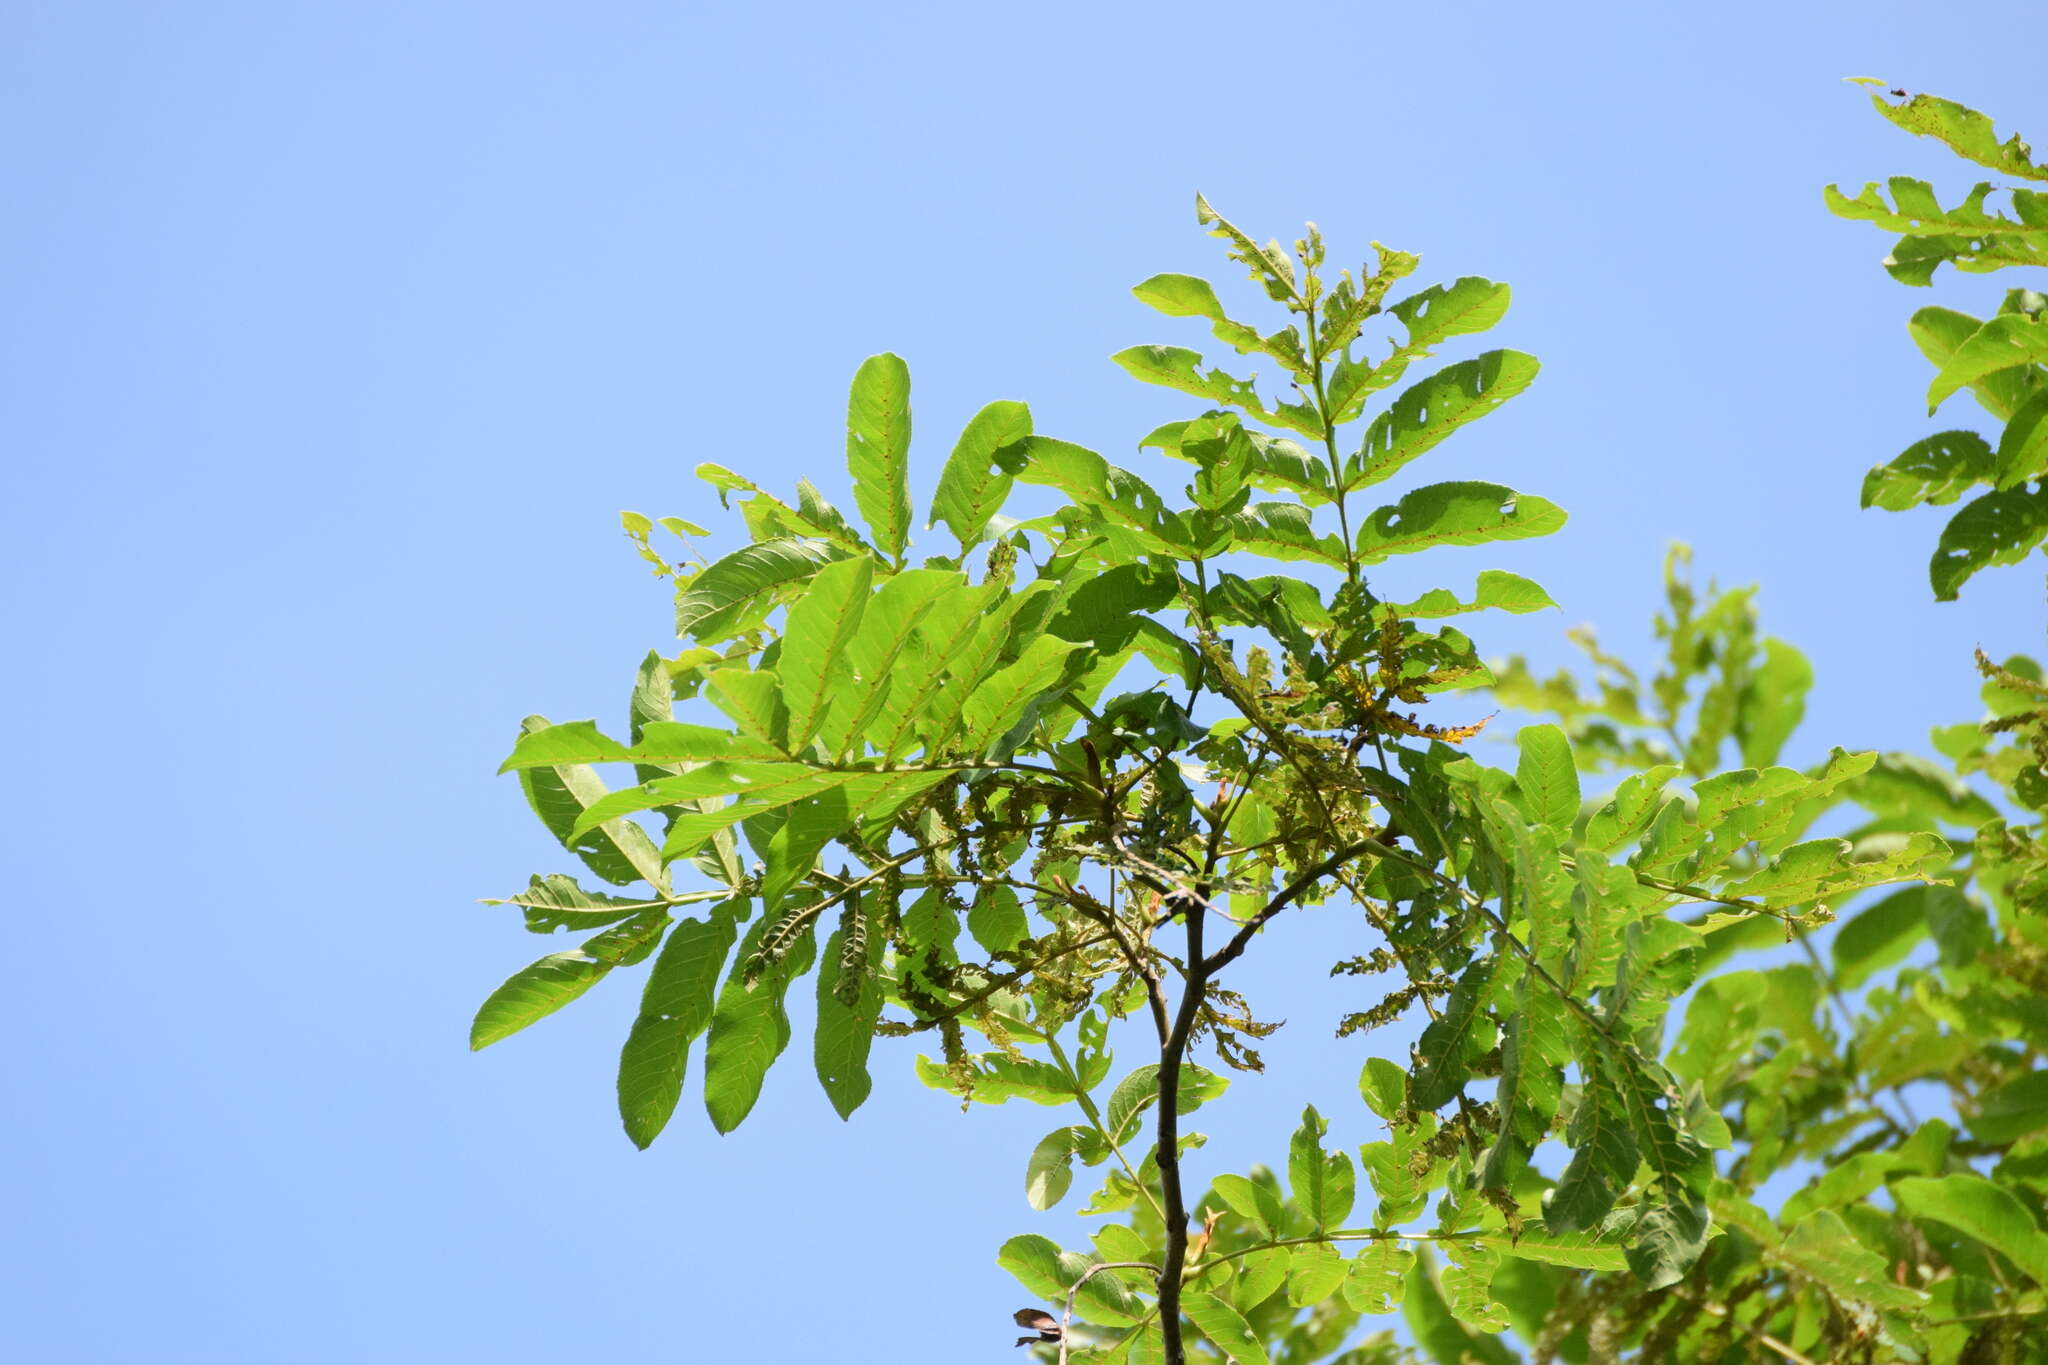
333	339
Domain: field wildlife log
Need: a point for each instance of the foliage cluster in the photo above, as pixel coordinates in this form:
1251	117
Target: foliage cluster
1038	791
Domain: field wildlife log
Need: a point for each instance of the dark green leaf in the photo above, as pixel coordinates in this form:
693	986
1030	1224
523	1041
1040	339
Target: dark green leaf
749	1030
1443	1056
846	1027
1996	528
674	1009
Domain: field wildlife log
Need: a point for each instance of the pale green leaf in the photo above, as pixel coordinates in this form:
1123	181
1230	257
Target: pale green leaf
973	486
1425	413
1454	514
878	449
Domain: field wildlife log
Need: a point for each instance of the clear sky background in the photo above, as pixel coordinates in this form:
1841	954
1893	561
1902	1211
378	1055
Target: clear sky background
334	337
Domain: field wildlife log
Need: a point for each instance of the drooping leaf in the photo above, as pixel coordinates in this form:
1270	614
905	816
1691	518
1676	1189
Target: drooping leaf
674	1008
617	850
1999	527
738	591
534	992
1443	1056
749	1030
1050	1171
846	1021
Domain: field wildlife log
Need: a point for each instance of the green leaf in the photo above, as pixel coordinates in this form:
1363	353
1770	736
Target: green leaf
753	700
1773	702
617	850
1176	367
737	592
1881	935
557	902
1978	1208
1431	316
1630	810
1468	1285
1384	1086
1270	267
1503	591
1225	1327
1823	1249
1045	1270
1443	1053
1427	412
1259	1274
674	1008
1375	1283
1136	1092
534	992
1183	296
1603	1160
1324	1184
1119	497
2012	1111
1820	870
2000	527
1548	778
996	919
1934	471
973	486
2023	447
1282	530
998	1079
1454	514
1007	699
1941	332
1314	1272
2008	340
1050	1170
1441	1336
572	741
820	624
749	1030
1252	1201
891	618
1968	133
846	1026
878	450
